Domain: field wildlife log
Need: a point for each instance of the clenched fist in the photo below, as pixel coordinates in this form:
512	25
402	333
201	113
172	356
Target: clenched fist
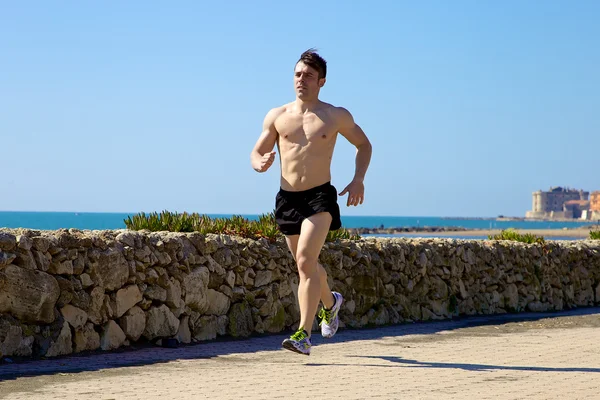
265	162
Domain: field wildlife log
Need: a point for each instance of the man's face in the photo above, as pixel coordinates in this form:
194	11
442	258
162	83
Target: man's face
306	81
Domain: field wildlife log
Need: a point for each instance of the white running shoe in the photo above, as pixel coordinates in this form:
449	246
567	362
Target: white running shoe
299	342
330	320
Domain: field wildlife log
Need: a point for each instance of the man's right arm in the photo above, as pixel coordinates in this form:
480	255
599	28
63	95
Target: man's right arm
262	156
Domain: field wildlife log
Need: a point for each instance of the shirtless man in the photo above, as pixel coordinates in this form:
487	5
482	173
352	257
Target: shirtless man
306	208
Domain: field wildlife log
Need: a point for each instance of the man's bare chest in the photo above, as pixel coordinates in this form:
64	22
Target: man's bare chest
305	129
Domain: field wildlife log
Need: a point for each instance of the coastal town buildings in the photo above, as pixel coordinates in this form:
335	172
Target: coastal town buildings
564	203
595	205
575	208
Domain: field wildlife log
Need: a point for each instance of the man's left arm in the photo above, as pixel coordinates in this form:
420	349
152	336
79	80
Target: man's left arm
355	135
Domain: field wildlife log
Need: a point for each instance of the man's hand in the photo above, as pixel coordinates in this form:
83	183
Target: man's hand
356	193
265	162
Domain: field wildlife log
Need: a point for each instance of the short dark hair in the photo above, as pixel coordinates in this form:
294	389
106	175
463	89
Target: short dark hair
313	60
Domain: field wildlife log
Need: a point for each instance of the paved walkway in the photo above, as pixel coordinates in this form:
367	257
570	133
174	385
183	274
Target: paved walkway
526	356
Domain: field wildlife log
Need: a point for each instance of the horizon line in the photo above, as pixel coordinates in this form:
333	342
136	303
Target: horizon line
253	214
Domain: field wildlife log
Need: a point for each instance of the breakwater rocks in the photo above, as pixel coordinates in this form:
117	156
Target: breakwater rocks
71	291
409	229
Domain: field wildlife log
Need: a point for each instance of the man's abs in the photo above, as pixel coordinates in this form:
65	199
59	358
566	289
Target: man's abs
306	161
302	175
306	143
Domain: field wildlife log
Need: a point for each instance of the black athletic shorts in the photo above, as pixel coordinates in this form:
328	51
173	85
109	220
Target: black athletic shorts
291	208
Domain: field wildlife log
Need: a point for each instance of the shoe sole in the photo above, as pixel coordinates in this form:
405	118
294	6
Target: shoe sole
291	347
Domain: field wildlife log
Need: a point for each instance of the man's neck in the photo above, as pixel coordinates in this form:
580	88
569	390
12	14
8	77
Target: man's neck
303	106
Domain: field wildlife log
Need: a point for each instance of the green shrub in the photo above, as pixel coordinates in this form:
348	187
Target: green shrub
511	234
595	234
342	233
264	227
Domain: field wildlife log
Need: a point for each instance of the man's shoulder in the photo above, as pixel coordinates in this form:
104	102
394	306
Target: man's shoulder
275	112
334	110
339	114
281	109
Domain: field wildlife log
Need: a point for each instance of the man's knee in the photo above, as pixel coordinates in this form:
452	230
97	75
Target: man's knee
307	263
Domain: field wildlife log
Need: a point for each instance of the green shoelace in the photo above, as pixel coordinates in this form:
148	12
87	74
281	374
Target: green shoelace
325	315
299	335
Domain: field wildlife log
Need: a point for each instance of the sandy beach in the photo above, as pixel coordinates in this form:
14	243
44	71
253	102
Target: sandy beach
582	233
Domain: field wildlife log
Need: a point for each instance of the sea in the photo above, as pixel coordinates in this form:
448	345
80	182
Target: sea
100	221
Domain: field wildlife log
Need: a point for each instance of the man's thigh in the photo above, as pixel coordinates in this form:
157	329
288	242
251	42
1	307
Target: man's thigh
292	242
313	233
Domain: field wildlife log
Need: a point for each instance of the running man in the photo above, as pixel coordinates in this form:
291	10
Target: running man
306	207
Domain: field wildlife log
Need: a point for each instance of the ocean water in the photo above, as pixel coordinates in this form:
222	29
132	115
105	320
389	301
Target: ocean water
95	221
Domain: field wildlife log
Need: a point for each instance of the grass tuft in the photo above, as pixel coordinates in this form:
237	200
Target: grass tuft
264	227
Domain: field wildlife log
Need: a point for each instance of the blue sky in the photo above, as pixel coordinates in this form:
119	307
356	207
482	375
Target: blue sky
145	106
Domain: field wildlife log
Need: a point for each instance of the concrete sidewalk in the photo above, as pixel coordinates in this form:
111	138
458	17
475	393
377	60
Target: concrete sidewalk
524	356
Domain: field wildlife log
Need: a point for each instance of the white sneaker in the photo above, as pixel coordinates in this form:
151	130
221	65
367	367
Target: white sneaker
299	342
330	320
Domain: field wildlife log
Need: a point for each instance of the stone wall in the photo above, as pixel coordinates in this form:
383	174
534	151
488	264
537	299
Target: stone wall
73	291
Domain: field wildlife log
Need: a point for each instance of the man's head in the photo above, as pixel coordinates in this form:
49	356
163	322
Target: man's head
309	75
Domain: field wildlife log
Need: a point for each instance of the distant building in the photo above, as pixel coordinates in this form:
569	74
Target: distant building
595	201
595	205
551	204
576	208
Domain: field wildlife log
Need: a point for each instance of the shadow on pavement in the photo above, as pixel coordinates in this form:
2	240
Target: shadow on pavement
147	355
406	363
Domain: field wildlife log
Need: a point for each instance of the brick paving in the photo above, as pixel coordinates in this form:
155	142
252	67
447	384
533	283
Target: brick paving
524	356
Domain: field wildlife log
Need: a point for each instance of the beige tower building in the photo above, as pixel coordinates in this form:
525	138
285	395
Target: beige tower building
551	204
